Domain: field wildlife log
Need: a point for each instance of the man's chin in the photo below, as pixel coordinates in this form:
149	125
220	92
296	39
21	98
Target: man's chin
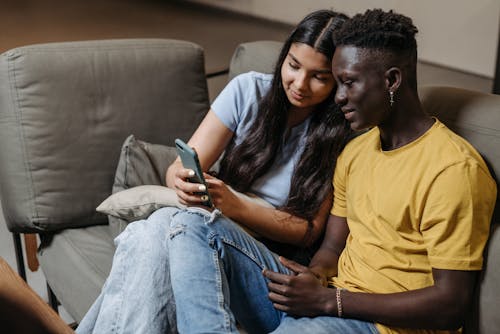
355	126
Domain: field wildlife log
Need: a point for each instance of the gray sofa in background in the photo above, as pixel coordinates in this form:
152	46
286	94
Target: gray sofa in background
65	110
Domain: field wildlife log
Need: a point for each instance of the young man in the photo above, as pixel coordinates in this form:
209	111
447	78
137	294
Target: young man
412	203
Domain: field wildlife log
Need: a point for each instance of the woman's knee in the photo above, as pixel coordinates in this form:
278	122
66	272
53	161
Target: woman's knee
149	233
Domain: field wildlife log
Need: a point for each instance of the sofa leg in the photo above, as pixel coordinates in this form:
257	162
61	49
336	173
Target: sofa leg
53	302
19	255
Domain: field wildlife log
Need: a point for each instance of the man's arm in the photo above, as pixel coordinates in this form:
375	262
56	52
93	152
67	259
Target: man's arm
324	262
441	306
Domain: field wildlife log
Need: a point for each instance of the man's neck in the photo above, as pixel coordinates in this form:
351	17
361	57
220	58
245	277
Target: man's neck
406	123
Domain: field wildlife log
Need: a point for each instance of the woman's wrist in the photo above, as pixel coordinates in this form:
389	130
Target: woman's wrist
170	174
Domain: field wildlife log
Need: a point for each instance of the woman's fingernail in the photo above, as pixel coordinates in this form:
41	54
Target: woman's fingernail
191	173
202	187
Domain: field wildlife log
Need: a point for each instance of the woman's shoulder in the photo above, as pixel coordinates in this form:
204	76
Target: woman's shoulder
254	78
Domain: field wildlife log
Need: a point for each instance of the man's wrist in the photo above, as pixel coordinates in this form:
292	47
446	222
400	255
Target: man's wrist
320	274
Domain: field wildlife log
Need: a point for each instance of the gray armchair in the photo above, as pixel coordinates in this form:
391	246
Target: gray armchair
65	110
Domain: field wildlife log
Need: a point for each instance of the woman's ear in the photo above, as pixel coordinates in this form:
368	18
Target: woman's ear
393	77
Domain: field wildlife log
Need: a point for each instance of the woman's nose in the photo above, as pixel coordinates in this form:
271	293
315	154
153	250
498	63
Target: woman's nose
301	81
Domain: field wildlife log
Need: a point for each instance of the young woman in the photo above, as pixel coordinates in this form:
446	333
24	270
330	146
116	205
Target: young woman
281	135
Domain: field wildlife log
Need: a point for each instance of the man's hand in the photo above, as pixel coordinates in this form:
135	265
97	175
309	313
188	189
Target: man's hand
300	294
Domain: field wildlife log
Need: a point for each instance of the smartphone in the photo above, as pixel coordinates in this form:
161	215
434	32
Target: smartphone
190	160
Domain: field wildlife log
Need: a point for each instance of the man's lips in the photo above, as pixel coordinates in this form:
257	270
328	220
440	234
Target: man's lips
348	113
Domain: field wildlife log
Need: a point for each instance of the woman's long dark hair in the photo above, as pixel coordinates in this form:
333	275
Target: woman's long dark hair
327	135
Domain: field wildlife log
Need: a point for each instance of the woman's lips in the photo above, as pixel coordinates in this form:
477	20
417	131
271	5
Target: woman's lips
297	96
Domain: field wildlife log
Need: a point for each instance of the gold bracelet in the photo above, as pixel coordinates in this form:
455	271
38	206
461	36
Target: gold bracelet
339	302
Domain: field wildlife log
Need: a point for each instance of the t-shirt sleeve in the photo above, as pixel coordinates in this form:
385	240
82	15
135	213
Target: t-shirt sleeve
339	207
230	102
456	217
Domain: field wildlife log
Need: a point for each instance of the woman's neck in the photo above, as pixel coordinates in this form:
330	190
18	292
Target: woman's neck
298	115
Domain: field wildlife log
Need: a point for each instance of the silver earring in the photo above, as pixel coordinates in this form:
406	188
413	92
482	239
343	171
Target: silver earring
391	97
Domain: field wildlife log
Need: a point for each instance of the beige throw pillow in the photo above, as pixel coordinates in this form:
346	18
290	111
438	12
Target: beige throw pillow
138	202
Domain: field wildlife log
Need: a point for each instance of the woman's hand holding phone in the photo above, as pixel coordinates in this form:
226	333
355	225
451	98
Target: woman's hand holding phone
189	193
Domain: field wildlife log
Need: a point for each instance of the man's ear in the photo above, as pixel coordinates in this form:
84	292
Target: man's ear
393	77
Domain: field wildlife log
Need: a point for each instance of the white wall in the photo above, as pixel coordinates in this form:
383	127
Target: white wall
462	34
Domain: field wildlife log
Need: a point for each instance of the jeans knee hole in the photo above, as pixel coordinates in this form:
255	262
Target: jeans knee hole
176	230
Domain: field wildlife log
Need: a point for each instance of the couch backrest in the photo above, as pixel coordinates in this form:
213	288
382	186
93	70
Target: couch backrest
65	110
476	117
473	115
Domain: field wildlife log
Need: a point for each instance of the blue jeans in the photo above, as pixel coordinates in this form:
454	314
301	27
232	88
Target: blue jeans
216	276
136	297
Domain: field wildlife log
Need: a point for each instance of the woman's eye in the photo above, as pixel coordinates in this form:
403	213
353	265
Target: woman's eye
293	66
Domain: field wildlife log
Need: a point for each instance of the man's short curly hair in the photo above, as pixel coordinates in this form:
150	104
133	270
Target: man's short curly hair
379	30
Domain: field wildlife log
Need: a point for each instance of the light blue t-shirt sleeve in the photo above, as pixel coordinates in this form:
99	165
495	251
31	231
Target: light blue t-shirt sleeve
238	101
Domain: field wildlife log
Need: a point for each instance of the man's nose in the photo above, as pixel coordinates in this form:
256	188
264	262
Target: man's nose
340	95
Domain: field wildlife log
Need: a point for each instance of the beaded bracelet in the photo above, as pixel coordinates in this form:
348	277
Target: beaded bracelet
339	302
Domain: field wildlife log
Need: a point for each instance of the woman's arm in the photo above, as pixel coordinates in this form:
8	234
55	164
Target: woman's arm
209	140
275	224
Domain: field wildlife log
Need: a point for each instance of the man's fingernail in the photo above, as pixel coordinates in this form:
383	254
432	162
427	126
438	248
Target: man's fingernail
202	187
191	173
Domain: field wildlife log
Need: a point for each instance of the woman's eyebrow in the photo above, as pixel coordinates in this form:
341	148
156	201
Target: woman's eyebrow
293	58
320	71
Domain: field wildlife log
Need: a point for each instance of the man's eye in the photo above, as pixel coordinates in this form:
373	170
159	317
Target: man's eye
321	78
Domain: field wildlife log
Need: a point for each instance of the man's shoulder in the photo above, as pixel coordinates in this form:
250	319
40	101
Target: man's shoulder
452	149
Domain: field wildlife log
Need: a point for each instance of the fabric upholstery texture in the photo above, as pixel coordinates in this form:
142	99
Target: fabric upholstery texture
476	117
65	109
258	56
76	262
140	163
138	202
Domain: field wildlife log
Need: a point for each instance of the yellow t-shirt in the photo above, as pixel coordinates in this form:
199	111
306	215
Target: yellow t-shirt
425	205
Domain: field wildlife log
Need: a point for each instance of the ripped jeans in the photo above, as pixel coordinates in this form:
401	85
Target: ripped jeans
137	297
216	276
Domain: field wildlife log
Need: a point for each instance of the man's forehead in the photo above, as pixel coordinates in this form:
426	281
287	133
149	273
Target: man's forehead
354	58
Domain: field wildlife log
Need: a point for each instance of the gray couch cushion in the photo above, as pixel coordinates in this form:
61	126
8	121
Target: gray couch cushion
476	117
140	163
65	110
76	262
260	56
